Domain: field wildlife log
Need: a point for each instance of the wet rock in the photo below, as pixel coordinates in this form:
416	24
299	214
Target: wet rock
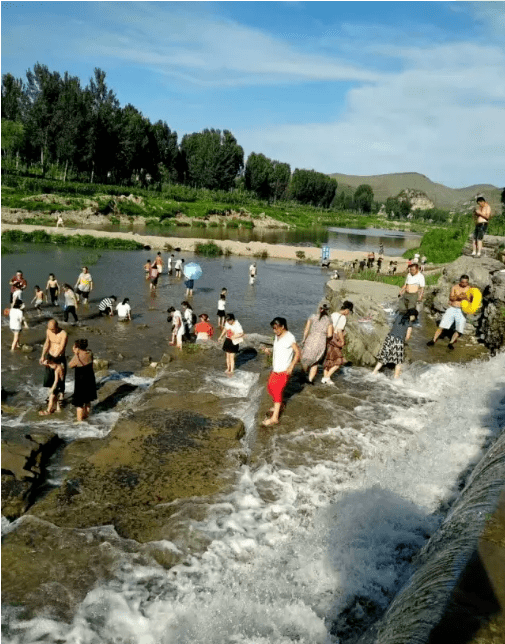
166	358
151	458
68	565
23	463
368	326
26	348
146	360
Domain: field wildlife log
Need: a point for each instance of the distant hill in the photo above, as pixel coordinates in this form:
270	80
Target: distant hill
389	185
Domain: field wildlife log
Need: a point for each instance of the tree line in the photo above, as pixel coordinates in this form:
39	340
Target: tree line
49	119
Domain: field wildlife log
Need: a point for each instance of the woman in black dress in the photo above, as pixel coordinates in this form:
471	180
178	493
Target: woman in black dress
85	385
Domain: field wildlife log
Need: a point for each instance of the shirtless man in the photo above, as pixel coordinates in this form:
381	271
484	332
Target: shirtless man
482	215
54	351
454	314
413	290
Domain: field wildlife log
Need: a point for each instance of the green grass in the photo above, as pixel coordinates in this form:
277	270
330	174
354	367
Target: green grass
209	249
88	241
443	244
395	280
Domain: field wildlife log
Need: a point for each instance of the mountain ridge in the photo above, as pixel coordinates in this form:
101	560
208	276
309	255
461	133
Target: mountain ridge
389	185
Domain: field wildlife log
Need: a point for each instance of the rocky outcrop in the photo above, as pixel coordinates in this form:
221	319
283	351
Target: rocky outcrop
418	200
368	325
23	466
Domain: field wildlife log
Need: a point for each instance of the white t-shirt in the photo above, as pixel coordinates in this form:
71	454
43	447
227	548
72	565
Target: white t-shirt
339	321
283	352
188	318
252	270
417	279
236	327
221	305
123	310
178	265
84	282
16	319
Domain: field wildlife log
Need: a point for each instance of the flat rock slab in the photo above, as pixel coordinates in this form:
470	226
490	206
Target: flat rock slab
150	459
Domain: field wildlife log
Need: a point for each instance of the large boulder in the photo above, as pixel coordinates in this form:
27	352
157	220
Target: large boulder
368	325
150	459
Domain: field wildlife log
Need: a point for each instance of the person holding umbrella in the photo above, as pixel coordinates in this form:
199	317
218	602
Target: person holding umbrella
192	272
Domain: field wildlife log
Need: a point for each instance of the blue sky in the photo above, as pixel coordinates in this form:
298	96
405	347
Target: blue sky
351	87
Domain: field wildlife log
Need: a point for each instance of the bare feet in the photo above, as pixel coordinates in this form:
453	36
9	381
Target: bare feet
46	412
269	421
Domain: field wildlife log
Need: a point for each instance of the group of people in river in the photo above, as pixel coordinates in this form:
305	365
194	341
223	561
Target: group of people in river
324	335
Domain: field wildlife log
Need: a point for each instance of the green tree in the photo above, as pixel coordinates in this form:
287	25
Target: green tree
13	98
363	198
12	137
392	207
279	182
211	159
258	175
311	187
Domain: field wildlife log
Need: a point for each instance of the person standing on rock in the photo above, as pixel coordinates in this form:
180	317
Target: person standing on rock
318	330
234	337
393	349
54	350
411	293
286	354
85	384
84	285
454	314
334	356
482	215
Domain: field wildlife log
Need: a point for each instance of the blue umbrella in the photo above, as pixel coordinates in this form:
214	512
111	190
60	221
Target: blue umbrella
193	271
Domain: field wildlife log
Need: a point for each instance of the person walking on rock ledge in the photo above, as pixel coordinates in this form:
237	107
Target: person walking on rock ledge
286	354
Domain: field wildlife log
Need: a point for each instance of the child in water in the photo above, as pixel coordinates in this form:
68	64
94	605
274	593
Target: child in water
38	299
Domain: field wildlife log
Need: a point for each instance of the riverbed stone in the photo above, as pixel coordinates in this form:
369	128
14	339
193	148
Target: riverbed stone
151	458
367	327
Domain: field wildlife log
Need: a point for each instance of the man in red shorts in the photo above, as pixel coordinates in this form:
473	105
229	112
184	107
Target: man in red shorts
286	354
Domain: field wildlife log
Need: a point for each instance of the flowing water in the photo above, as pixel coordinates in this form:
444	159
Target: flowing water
318	531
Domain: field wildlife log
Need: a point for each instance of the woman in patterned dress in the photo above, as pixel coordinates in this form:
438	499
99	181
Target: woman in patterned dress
315	336
393	349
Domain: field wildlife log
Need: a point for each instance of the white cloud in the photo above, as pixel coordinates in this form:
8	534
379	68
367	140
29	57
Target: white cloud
442	116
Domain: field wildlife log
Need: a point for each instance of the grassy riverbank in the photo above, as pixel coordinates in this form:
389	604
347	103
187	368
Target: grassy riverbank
11	237
41	198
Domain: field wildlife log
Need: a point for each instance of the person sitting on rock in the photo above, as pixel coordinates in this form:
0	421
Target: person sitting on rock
454	314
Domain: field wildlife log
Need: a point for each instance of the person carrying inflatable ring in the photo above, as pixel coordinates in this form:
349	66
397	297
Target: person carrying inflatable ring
461	301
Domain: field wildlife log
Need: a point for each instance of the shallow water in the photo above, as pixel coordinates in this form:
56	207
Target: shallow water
361	240
317	532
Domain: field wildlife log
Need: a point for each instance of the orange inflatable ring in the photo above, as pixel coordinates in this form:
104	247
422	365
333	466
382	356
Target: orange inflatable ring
473	306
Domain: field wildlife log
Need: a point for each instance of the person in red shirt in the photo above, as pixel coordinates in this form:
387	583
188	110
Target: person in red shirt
18	282
204	330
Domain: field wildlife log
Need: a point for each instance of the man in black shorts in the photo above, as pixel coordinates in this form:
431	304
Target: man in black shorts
482	215
84	285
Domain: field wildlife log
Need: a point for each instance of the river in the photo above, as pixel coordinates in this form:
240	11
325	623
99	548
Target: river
319	528
361	240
